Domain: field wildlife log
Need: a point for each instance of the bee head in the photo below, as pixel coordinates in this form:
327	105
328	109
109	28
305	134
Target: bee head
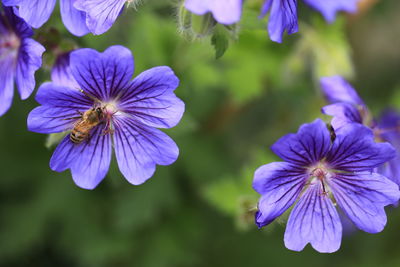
99	111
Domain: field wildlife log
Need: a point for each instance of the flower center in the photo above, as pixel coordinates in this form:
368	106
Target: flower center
9	43
110	108
319	174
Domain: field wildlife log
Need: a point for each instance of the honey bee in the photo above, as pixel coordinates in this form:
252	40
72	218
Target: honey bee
88	120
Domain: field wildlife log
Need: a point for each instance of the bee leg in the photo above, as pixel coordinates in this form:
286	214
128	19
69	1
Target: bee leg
108	129
73	118
90	96
77	117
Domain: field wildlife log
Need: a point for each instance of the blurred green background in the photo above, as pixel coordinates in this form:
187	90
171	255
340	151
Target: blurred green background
198	211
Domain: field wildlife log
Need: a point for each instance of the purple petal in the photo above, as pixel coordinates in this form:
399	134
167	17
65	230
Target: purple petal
354	149
343	113
49	119
89	161
61	72
74	20
391	169
280	183
266	7
314	220
7	67
337	89
52	94
390	121
100	14
34	12
307	146
60	105
64	156
151	100
329	8
102	75
29	60
388	129
224	11
139	148
283	17
363	196
21	28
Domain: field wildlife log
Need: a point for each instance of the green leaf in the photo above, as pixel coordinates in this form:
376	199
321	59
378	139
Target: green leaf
54	139
220	40
233	194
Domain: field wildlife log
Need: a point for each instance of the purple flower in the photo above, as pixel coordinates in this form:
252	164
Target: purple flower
283	18
348	107
337	89
224	11
20	57
388	129
329	8
93	96
37	12
100	14
319	173
283	13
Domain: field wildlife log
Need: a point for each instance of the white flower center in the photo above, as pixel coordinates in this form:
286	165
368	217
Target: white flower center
111	108
320	173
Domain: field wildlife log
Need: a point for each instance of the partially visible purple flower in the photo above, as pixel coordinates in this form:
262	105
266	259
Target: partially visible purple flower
337	89
347	107
329	8
224	11
283	13
128	114
100	14
388	129
318	174
20	57
38	12
283	17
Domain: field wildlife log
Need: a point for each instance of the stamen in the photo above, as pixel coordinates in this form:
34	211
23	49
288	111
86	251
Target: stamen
320	174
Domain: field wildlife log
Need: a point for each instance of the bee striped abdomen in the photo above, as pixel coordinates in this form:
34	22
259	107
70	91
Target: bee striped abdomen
77	136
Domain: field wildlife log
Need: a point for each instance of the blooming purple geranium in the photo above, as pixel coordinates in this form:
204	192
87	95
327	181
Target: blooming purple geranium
94	87
20	57
319	173
37	12
347	107
283	13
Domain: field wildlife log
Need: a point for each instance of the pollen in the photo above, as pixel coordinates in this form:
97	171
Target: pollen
111	108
